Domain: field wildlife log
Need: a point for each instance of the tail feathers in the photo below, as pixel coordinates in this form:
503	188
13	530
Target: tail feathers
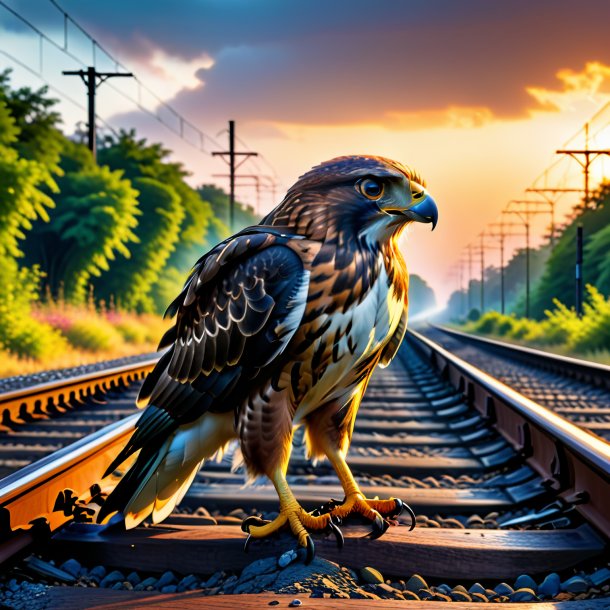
134	480
164	507
161	476
153	426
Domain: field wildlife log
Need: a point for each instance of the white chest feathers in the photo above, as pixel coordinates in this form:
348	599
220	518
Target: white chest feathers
354	335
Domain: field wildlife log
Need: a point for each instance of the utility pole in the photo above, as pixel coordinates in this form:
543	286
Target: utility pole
257	185
469	248
524	215
232	168
93	79
579	278
526	223
552	201
589	156
461	280
502	235
482	235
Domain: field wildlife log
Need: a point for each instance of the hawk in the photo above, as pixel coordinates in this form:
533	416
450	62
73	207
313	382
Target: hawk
279	326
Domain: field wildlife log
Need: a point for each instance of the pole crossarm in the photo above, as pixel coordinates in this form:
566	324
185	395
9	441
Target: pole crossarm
589	154
552	190
93	79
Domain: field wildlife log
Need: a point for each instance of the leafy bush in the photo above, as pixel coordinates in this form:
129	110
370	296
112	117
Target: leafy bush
132	331
93	334
20	333
562	327
487	322
474	314
593	331
521	328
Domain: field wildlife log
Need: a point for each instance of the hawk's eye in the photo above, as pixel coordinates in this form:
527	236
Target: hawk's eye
370	188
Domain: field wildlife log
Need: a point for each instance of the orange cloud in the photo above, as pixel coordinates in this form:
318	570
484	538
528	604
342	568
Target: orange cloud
460	117
592	84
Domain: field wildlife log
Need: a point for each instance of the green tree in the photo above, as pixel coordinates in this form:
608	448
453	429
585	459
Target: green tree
96	213
597	256
21	199
558	278
21	202
219	201
130	281
37	122
139	159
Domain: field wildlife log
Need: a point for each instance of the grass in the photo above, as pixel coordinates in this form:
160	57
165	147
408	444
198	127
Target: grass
80	335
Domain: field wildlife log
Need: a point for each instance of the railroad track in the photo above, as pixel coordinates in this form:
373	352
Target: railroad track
511	502
576	389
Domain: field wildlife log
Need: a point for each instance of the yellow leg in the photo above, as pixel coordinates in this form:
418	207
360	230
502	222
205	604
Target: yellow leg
293	514
356	502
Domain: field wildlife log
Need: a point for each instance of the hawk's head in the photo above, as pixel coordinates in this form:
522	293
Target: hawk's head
372	197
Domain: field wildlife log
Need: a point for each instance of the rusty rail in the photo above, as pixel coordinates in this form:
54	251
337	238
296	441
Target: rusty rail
572	461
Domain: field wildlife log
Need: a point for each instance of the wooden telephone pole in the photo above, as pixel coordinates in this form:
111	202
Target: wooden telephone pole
588	156
551	196
232	154
501	235
93	79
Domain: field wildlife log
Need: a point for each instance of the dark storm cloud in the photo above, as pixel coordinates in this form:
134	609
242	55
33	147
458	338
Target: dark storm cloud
356	61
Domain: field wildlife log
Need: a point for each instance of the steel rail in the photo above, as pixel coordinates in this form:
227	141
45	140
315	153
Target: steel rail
591	372
38	499
38	401
572	461
42	494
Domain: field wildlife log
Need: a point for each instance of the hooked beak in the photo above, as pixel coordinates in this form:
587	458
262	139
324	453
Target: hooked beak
424	211
422	206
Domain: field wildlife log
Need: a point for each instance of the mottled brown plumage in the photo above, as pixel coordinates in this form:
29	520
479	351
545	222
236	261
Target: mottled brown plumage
278	326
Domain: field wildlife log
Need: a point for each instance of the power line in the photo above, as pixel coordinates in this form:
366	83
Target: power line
183	123
55	89
180	126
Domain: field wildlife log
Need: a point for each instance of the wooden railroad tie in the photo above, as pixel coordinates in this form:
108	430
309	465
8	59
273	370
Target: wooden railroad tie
433	553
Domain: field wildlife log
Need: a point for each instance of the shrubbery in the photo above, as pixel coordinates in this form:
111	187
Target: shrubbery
20	334
93	334
561	326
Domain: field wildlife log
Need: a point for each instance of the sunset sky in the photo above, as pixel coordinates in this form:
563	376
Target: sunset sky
476	95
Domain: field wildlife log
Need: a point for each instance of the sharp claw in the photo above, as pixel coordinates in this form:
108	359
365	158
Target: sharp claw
380	526
248	522
247	543
411	514
337	532
311	551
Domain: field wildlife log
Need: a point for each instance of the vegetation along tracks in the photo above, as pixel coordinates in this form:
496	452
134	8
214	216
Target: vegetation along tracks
511	503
